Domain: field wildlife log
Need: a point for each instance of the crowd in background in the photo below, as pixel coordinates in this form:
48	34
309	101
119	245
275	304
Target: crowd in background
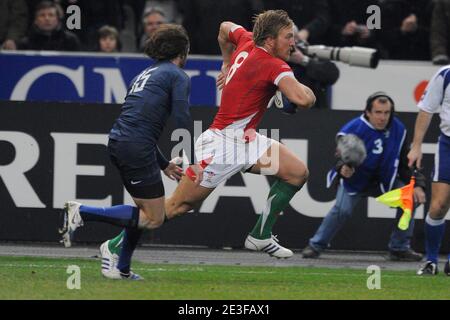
410	29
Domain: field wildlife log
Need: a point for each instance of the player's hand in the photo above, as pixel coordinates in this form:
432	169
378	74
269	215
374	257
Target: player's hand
415	157
419	195
220	82
346	171
173	171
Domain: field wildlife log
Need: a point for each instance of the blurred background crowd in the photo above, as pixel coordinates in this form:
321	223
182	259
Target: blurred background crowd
410	29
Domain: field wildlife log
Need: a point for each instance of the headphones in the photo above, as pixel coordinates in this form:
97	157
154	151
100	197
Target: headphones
376	95
373	97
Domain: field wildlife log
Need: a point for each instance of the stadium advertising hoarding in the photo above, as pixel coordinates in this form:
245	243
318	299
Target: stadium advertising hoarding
102	78
53	152
404	81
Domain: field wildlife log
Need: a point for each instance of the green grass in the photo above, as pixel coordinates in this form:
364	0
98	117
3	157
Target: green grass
45	278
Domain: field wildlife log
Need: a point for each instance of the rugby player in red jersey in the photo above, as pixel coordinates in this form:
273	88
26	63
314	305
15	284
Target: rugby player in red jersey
254	68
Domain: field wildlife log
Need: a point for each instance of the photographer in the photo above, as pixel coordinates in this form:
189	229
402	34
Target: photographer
383	137
315	73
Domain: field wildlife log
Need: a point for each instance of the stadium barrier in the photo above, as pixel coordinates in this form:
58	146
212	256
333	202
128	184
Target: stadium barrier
104	78
52	152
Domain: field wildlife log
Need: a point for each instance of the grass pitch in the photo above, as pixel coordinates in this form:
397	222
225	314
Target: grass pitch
45	278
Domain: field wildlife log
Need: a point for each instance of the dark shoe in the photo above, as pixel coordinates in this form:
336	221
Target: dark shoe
447	267
408	255
429	268
310	253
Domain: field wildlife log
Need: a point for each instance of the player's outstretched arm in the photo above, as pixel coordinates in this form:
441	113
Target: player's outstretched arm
422	123
296	92
226	48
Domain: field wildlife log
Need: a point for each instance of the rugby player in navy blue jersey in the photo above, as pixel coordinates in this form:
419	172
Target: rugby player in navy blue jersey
156	93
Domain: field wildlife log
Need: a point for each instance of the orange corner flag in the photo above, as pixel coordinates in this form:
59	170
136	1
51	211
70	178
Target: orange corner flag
403	198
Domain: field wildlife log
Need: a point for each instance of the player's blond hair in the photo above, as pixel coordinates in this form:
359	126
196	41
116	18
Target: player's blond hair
268	24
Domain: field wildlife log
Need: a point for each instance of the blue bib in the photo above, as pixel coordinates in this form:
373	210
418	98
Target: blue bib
383	153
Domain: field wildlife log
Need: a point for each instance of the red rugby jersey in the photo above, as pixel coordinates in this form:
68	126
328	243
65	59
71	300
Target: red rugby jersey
251	82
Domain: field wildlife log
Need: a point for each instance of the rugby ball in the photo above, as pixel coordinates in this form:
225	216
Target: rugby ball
279	101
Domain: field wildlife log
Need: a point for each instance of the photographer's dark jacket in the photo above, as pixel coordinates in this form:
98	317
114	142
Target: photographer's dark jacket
386	157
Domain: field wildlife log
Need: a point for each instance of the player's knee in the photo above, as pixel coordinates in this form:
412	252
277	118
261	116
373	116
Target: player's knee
300	176
305	175
174	209
170	209
184	208
155	222
295	173
151	221
438	210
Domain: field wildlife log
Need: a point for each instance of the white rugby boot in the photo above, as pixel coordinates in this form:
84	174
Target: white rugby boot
270	246
109	259
115	274
72	220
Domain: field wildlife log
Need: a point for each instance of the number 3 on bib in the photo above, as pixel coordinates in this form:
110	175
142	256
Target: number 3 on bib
237	63
379	147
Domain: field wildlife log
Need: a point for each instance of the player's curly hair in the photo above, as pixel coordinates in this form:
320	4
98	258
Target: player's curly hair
167	42
268	24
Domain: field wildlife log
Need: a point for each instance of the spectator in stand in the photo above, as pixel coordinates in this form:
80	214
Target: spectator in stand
94	15
169	8
108	40
348	23
440	32
405	29
202	19
13	23
312	17
47	32
32	5
152	20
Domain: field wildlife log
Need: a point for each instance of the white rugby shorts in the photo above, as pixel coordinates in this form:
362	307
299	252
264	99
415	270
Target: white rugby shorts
223	154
